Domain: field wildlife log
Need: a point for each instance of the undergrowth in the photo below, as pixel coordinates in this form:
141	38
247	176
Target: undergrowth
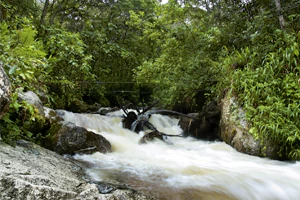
268	87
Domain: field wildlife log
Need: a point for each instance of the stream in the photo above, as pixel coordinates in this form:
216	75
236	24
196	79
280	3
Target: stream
186	170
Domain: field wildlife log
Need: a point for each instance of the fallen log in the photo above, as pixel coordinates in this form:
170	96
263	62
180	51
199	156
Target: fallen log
140	122
148	137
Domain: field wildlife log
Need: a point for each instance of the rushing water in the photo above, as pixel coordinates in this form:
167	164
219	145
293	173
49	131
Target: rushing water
189	169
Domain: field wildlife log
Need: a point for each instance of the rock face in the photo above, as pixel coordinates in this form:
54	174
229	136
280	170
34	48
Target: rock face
204	125
235	131
5	92
28	171
67	138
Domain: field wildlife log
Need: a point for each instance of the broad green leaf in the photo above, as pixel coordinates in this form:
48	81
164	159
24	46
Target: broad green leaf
12	70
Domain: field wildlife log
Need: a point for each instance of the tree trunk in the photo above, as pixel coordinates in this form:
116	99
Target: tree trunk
1	13
41	30
44	13
280	15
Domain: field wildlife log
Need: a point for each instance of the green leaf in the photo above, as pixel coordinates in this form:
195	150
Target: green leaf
29	134
296	52
23	76
12	70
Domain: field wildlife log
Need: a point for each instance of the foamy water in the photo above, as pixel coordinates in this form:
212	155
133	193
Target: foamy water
188	169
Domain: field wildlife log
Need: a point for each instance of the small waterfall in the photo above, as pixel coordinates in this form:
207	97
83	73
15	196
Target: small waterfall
188	169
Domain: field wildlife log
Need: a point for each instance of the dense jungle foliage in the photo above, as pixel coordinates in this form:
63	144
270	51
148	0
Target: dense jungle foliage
142	50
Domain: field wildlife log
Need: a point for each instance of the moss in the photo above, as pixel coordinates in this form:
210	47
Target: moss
264	151
52	113
233	132
51	137
54	129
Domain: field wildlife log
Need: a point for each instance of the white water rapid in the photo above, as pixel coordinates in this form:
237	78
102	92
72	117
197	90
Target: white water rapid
187	170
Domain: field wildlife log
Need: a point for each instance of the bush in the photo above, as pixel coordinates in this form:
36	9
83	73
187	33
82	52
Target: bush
270	92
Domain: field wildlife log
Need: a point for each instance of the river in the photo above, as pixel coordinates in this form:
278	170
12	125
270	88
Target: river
186	170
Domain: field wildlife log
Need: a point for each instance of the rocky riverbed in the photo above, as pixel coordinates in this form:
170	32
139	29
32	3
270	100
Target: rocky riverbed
28	171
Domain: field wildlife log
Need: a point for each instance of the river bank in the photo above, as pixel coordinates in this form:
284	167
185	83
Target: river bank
29	171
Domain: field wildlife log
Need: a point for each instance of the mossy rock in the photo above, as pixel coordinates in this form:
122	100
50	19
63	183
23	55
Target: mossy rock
51	135
235	131
67	138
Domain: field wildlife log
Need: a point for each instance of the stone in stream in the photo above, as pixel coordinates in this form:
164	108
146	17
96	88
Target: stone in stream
203	125
152	135
67	138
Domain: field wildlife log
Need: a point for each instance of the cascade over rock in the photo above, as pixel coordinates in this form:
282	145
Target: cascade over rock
67	138
203	125
51	117
5	92
235	131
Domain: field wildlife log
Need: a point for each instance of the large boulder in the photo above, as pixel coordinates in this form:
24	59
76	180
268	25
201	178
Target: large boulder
32	99
235	131
203	125
29	171
37	125
67	138
5	92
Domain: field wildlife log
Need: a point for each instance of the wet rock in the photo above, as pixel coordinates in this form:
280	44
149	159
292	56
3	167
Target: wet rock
106	110
29	171
127	195
150	136
103	111
5	92
52	116
203	125
67	138
105	188
235	131
185	123
129	120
